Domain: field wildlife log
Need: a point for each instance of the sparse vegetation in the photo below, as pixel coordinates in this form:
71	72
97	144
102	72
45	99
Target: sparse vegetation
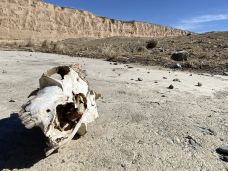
151	44
206	52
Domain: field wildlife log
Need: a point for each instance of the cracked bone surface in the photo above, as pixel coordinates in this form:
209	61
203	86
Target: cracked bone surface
62	105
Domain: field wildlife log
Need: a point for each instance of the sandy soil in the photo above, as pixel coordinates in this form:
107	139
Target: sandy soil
142	125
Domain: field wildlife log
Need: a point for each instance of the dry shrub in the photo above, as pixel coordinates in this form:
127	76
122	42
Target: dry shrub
151	44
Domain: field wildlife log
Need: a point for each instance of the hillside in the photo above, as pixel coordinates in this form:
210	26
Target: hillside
34	19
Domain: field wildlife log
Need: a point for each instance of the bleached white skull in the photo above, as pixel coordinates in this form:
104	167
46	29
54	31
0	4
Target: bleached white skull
60	107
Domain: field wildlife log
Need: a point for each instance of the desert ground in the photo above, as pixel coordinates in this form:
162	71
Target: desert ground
143	125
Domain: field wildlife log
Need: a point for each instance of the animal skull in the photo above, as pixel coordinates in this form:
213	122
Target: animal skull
60	107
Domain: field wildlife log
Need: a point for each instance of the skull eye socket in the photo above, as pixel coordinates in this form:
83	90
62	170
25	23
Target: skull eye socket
67	116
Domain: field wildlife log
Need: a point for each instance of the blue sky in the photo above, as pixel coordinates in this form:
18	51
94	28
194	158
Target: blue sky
193	15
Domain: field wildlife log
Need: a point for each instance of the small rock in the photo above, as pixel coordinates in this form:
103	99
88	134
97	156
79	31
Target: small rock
164	78
134	161
222	150
199	84
12	101
155	81
177	66
161	49
140	79
123	165
224	158
4	71
148	72
180	56
130	67
225	73
191	141
176	140
115	63
190	75
140	142
163	95
171	87
176	80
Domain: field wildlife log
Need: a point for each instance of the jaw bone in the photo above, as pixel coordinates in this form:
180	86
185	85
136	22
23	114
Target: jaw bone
60	107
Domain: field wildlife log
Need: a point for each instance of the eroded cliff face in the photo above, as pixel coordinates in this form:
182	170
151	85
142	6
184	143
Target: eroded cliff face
34	19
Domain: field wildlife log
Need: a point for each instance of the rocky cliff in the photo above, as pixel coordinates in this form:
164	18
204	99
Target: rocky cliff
34	19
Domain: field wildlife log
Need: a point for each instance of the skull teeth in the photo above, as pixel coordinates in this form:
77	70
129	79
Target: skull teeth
30	124
24	115
25	120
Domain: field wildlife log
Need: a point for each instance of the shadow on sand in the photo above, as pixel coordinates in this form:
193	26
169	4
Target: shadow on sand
19	147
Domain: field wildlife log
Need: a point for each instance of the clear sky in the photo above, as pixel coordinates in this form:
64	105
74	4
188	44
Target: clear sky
193	15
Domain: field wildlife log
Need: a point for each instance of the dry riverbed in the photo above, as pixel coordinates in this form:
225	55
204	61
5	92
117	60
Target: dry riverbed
143	124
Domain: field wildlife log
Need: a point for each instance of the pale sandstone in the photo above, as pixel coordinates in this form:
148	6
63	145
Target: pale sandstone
35	19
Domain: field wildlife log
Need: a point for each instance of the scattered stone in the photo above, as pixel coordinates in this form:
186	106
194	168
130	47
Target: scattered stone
199	84
134	161
176	140
207	131
123	165
225	73
130	67
161	49
148	72
4	71
163	95
171	87
176	80
140	142
12	101
191	141
224	158
140	79
190	75
222	150
115	63
155	81
180	56
177	66
164	78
